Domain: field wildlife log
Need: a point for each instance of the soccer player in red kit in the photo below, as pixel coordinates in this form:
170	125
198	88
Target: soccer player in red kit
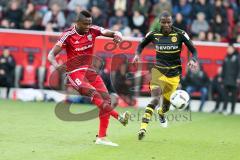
79	42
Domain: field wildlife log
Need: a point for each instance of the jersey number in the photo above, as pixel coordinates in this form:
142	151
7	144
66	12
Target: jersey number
78	82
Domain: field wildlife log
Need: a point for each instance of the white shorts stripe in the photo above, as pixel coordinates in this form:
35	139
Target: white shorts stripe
72	82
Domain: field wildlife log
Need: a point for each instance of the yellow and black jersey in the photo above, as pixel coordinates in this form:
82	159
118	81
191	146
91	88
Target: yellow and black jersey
168	50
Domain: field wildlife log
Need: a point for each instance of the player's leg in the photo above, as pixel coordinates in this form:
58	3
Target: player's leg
101	88
82	85
106	110
161	112
149	110
169	86
155	94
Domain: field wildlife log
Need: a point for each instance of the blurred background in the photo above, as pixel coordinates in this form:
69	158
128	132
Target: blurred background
29	28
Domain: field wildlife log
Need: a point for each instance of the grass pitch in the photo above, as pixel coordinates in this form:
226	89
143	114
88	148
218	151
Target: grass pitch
31	131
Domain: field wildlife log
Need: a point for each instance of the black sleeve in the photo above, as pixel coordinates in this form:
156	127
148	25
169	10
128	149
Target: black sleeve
148	38
187	41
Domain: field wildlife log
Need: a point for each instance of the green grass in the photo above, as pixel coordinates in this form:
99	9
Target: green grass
31	131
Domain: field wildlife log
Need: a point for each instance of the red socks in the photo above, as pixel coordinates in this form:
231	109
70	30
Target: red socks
105	110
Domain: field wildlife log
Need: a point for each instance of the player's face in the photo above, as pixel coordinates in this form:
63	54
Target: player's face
84	25
166	24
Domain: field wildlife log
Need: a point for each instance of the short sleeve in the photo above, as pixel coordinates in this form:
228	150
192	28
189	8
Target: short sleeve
62	39
98	30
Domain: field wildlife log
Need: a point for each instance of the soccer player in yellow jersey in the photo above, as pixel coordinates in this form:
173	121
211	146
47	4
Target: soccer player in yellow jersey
167	69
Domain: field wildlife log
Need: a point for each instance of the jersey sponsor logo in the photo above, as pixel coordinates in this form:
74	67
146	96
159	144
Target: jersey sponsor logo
166	48
84	48
174	39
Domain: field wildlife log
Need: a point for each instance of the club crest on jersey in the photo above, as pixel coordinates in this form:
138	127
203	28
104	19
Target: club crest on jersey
174	39
89	37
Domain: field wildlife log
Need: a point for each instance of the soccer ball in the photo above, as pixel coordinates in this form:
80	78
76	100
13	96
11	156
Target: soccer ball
179	99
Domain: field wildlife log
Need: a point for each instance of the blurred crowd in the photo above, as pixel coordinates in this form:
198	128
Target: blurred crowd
204	20
224	87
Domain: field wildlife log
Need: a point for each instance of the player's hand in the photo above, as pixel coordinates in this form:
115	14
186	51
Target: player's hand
60	67
117	37
193	65
136	59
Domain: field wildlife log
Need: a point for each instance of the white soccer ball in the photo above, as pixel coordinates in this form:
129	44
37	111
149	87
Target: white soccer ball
180	99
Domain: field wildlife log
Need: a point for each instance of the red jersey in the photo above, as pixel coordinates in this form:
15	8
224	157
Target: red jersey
79	48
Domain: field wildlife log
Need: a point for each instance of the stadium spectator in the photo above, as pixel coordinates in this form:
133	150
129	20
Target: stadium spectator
136	33
97	17
54	16
39	2
137	22
180	22
155	25
30	12
7	69
118	21
218	9
236	31
120	4
28	24
160	6
204	7
230	10
199	24
230	75
184	8
61	3
238	39
29	71
220	26
197	81
4	3
124	83
72	15
101	4
14	14
31	18
49	27
5	23
201	36
217	90
210	36
142	6
73	3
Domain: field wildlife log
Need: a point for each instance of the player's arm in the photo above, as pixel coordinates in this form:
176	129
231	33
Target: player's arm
52	55
148	38
193	63
117	36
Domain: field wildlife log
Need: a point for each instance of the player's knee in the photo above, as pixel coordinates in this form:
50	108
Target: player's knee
89	92
155	101
105	96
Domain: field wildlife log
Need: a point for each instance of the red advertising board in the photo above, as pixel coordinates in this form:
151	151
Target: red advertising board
21	43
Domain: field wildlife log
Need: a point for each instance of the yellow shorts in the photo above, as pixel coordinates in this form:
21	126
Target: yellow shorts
167	84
